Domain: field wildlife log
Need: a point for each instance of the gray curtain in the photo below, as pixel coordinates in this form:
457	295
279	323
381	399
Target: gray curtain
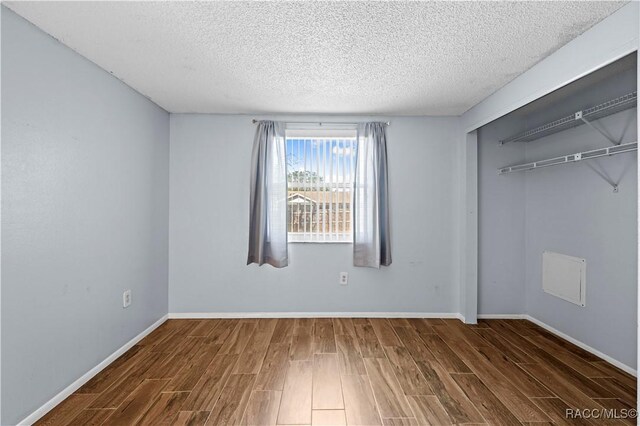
371	242
268	204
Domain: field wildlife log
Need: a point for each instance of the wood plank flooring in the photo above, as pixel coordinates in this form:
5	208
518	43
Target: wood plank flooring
345	371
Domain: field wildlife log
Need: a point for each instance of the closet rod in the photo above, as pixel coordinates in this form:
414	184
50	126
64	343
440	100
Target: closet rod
321	123
572	158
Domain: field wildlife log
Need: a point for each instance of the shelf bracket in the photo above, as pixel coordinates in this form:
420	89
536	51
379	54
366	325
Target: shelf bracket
587	122
604	176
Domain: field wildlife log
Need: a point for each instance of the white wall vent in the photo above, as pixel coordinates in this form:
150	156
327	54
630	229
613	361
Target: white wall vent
564	276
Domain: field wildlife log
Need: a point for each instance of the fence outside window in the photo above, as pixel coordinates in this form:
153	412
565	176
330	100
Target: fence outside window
320	188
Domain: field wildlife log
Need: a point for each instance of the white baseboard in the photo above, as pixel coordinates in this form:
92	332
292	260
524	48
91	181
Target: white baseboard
200	315
66	392
605	357
40	412
501	316
566	337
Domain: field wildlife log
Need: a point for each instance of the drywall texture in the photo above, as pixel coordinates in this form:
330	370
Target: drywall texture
419	58
209	224
613	37
567	209
84	215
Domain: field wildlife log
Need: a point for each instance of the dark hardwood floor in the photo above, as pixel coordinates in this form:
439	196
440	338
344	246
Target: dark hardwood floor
348	371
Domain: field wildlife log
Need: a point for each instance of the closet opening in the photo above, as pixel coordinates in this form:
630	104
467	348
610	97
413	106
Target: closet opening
557	212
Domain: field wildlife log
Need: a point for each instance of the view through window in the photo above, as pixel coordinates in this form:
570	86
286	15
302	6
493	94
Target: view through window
320	178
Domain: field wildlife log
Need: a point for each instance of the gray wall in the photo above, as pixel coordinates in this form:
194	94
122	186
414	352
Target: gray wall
501	221
84	215
209	217
571	210
567	209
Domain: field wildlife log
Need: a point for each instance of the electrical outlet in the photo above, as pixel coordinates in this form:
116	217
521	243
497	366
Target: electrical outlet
344	278
126	299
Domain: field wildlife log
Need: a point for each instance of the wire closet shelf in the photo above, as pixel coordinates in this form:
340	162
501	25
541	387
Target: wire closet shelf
594	113
572	158
580	117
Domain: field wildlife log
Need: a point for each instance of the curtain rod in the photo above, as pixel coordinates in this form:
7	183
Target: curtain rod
254	121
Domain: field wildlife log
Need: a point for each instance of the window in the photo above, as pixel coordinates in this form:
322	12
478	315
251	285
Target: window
320	174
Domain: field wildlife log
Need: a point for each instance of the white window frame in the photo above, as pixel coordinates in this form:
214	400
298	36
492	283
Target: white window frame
326	132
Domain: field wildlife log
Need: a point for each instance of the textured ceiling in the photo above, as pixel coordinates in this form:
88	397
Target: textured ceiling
414	58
